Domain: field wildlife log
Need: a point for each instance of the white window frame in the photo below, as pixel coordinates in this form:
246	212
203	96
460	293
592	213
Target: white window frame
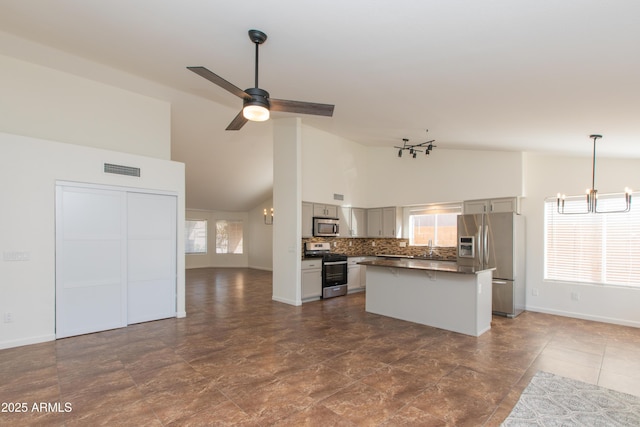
190	243
595	249
223	247
429	209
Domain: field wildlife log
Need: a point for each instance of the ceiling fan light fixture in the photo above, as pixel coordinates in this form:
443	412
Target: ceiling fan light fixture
255	113
256	108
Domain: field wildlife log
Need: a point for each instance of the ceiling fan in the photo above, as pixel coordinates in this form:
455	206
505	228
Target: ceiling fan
256	102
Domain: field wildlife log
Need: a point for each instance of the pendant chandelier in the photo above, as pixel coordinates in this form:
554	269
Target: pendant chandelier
592	193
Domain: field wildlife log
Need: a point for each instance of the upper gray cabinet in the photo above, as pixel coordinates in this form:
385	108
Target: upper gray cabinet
328	211
384	222
307	219
358	222
503	204
353	222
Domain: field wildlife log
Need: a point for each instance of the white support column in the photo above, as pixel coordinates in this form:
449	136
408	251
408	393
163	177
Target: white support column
287	207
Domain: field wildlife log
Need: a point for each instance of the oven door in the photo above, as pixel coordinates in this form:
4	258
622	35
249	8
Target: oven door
334	273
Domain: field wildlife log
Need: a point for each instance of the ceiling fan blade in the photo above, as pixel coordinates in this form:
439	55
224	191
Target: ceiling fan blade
301	107
214	78
237	122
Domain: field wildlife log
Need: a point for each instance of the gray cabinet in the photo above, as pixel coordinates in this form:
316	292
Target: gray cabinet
311	279
344	215
374	222
384	222
356	279
358	222
503	204
307	219
328	211
353	222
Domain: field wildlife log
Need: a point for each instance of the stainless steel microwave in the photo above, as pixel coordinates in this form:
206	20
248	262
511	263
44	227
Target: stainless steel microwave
326	227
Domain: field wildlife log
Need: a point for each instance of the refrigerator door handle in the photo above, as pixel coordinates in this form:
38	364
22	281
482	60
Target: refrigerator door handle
479	255
486	245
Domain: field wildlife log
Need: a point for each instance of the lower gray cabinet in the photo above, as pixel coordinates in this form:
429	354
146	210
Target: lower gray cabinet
311	279
355	274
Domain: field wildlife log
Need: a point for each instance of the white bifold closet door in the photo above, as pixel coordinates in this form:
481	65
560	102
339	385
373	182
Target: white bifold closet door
115	258
151	257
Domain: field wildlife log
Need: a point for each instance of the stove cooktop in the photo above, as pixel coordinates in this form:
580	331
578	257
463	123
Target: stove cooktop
322	250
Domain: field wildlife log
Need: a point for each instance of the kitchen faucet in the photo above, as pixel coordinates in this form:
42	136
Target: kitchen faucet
430	253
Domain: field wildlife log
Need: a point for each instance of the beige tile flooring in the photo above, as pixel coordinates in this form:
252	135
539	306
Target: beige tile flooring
241	359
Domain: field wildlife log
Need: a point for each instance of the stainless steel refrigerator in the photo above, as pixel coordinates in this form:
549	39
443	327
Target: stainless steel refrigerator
496	240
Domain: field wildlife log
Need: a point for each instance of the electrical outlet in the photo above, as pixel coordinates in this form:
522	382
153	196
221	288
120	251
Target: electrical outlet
8	317
350	243
373	243
575	296
535	292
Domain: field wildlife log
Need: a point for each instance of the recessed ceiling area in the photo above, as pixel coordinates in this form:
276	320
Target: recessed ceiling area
483	75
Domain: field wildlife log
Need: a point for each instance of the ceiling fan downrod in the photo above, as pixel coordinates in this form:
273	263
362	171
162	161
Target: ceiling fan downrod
257	37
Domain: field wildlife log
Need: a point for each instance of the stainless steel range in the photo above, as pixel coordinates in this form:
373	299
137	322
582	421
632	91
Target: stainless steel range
334	268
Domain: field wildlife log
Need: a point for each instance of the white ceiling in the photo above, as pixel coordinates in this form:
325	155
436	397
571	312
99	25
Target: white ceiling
526	75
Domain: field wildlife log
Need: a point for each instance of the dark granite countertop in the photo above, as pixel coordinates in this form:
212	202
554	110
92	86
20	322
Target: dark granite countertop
419	257
422	264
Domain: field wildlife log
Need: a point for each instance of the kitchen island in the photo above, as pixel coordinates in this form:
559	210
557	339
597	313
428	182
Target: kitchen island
439	294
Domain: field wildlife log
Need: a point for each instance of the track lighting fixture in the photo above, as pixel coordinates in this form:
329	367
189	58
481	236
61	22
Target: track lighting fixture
414	149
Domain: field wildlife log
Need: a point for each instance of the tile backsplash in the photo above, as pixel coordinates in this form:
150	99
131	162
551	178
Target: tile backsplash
365	247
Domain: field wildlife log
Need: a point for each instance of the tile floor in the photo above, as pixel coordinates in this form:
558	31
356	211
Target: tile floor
241	359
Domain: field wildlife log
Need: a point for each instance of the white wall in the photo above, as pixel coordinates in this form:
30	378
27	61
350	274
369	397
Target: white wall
545	176
211	258
29	169
374	177
45	103
261	237
331	164
444	176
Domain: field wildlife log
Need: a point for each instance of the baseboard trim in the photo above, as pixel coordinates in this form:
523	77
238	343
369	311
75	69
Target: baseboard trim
260	268
286	301
603	319
27	341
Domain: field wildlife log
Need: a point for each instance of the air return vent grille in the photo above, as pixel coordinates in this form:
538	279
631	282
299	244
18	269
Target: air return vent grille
121	170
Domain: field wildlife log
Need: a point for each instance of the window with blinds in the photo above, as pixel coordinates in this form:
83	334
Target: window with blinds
592	248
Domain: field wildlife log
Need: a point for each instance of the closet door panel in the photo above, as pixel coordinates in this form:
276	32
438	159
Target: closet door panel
151	257
90	260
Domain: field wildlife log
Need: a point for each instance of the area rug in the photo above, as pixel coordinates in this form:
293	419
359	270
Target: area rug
551	400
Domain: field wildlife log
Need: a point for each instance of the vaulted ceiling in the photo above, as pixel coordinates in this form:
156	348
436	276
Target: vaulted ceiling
527	75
